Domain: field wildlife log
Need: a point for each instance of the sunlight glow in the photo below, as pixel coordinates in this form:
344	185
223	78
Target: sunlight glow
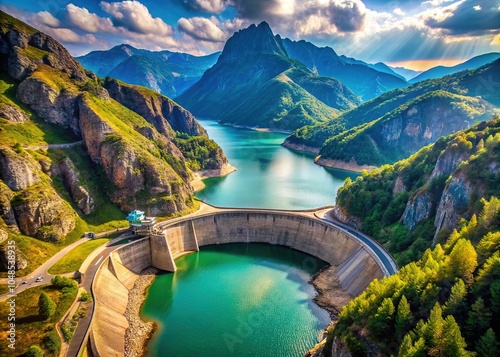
423	65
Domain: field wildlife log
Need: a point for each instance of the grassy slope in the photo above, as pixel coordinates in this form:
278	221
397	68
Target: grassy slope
441	305
370	197
365	144
469	83
30	329
74	259
258	93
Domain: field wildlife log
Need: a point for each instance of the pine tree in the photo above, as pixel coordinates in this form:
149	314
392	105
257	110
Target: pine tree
478	320
432	331
46	307
495	296
456	299
404	317
487	346
452	343
380	324
462	261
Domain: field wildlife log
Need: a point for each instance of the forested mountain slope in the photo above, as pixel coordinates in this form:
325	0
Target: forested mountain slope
255	84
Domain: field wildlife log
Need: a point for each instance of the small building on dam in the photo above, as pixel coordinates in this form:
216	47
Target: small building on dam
356	263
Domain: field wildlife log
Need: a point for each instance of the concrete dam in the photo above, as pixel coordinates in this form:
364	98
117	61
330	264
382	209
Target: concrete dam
356	264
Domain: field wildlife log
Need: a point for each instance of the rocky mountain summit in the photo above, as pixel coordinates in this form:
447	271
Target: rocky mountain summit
256	84
121	141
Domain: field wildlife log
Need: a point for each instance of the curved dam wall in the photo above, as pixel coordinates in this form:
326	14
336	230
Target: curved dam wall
356	266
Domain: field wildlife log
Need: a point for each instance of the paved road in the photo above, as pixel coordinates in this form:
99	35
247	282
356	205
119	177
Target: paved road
382	254
83	325
53	146
27	282
41	271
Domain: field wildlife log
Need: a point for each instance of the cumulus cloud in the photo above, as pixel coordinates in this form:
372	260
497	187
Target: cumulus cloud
210	6
46	18
347	15
201	28
83	19
264	9
135	17
467	18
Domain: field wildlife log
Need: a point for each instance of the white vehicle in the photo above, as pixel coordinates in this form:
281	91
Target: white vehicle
39	279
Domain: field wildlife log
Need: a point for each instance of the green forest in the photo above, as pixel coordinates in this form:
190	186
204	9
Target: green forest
372	195
444	304
445	298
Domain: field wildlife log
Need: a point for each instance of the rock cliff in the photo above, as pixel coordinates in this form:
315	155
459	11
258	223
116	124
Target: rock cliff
129	154
406	129
163	113
71	179
18	170
410	205
40	212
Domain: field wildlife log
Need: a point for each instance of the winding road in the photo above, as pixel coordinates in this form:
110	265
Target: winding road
384	256
95	260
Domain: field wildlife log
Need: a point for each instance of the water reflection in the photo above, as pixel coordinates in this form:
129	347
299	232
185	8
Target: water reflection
269	175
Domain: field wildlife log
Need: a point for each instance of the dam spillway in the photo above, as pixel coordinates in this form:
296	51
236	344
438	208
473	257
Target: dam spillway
356	264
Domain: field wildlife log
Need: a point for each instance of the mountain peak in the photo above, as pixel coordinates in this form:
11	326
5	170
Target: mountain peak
254	40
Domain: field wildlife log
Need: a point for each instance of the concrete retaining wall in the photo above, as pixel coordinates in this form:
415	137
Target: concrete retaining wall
111	288
356	266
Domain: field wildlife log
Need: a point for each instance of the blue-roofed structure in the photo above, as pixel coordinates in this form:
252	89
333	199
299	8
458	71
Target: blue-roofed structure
140	223
135	216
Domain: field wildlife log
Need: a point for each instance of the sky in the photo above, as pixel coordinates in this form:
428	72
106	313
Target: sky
416	34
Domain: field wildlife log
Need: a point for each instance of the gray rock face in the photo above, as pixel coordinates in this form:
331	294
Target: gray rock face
54	106
60	58
43	214
417	209
163	113
93	130
447	162
17	171
455	199
425	122
20	66
399	186
17	38
13	113
6	212
78	193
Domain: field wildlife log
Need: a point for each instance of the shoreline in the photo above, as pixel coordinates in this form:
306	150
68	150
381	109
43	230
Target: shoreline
343	165
139	332
256	128
288	132
330	294
300	147
199	176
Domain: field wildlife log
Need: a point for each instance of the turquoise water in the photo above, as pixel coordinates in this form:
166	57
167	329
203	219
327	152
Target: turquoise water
269	175
236	300
246	299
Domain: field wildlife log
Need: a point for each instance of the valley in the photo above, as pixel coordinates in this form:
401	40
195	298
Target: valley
305	201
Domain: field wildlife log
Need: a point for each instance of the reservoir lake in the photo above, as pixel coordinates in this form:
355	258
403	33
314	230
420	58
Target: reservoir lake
269	175
246	299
